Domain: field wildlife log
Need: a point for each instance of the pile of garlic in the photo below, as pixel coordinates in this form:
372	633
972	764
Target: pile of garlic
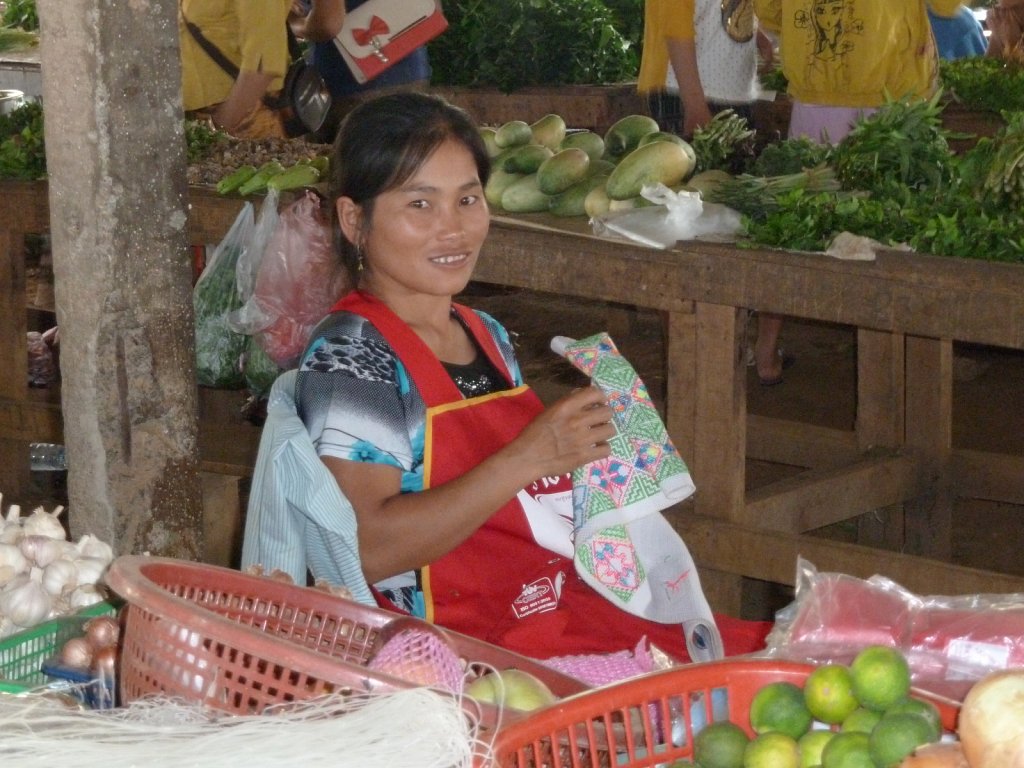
42	574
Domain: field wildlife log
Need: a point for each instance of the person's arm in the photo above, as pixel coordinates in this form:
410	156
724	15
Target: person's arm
323	22
245	95
682	56
399	532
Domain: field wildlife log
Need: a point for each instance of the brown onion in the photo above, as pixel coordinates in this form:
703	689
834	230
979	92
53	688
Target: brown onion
102	631
77	652
104	663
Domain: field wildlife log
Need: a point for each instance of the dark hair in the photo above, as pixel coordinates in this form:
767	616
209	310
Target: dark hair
381	144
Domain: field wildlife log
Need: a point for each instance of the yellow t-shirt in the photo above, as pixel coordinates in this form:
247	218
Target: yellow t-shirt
250	33
853	53
663	20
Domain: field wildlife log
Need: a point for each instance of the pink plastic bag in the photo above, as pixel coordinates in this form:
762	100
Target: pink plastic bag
299	280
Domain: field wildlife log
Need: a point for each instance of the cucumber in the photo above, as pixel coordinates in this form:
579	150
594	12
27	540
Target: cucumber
258	181
497	184
524	196
660	161
588	141
572	202
562	170
513	134
548	131
235	179
299	175
526	158
625	134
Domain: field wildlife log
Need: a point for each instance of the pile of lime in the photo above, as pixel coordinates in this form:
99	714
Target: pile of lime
856	716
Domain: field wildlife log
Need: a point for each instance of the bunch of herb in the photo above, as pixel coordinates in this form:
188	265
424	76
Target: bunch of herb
790	155
984	82
897	151
22	146
200	139
757	196
21	14
1004	182
726	143
774	80
519	43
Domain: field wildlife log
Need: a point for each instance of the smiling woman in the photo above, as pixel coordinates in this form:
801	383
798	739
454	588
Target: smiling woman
454	469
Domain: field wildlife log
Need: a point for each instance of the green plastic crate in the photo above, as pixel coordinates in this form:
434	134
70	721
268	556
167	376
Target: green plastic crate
22	655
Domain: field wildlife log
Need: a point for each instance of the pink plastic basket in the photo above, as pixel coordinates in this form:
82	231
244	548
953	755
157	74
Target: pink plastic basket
236	642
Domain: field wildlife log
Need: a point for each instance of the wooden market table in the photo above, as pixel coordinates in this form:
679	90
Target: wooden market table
907	309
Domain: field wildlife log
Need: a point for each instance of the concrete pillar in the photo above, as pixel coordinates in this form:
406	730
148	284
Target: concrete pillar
116	158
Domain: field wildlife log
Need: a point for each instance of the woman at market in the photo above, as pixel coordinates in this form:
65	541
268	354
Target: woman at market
1006	20
844	58
959	36
700	57
319	21
417	406
251	36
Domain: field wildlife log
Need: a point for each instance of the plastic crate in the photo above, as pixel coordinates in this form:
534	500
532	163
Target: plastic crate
94	692
649	720
240	643
22	655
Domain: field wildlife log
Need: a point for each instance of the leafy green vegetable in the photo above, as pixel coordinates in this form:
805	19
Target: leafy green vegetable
518	43
984	83
200	139
726	143
21	13
22	147
790	156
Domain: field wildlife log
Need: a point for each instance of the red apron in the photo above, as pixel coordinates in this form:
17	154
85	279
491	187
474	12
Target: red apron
499	585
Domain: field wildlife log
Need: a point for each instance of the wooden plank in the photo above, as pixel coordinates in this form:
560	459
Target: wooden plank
723	546
721	408
38	422
681	379
880	380
817	498
13	349
799	444
989	476
929	404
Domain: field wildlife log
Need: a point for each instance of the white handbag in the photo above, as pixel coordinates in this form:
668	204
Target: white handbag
380	33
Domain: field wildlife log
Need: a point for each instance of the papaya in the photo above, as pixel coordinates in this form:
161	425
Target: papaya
588	141
597	202
497	183
706	182
562	170
660	161
629	204
625	133
513	134
488	134
526	158
572	201
524	196
548	131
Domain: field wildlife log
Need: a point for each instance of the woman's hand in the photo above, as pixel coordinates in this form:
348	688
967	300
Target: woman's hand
572	432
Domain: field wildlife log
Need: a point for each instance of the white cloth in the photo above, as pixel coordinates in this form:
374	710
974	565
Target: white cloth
297	518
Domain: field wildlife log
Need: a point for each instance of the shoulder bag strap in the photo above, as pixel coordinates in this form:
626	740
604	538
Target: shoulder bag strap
211	50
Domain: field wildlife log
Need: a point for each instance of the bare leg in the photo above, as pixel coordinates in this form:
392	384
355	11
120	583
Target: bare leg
766	349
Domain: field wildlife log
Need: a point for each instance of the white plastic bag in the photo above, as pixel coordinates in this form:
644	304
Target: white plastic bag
674	216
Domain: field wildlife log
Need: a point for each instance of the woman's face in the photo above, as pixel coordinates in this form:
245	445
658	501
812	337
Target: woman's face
828	13
425	236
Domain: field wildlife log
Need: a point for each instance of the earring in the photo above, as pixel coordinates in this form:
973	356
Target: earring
359	260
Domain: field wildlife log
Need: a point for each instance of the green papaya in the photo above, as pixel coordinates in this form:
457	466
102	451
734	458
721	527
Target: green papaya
673	137
512	134
488	135
597	202
524	196
588	141
562	170
660	161
548	131
572	202
706	182
526	158
624	135
497	183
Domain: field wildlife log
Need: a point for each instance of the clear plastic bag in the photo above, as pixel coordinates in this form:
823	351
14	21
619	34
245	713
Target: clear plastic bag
674	216
950	642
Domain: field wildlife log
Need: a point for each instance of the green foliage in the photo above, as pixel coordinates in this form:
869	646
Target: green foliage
200	138
984	83
790	156
518	43
22	146
21	13
725	143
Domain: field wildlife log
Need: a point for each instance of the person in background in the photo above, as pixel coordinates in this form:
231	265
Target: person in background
252	35
960	36
699	58
319	21
843	58
1006	21
456	471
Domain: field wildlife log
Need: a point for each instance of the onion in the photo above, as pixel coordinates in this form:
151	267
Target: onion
104	663
991	725
102	632
77	653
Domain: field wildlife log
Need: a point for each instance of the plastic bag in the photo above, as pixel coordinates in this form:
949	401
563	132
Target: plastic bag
299	280
248	318
950	642
214	297
674	216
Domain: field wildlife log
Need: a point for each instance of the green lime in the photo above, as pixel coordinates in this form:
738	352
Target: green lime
828	692
881	677
811	745
861	719
849	749
926	709
780	707
771	750
720	745
896	736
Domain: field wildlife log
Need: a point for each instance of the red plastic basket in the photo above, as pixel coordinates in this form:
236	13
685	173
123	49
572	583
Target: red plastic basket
237	642
649	720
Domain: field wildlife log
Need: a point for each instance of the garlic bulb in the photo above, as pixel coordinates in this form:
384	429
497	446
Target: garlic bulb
60	576
90	546
10	529
24	601
90	569
42	550
85	595
44	523
6	574
11	554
